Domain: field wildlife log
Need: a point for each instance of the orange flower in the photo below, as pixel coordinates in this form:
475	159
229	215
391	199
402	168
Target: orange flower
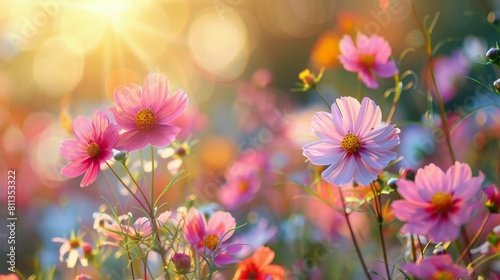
258	266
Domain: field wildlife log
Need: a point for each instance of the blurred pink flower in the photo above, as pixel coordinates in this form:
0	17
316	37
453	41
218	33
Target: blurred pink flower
370	55
83	277
93	146
436	267
142	228
354	142
241	187
492	198
450	74
209	238
437	203
145	113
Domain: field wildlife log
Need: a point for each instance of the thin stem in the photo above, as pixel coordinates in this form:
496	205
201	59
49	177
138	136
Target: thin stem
130	260
474	239
322	97
380	222
353	237
466	240
440	103
137	185
152	176
413	251
126	187
395	100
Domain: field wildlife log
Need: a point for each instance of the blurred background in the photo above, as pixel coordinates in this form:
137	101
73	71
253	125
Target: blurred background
238	61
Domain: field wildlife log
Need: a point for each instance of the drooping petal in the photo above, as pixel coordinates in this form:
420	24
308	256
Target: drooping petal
91	174
76	167
386	70
132	140
368	78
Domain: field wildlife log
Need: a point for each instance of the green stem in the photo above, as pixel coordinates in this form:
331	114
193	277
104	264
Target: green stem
353	237
359	95
413	251
380	220
138	187
474	239
152	176
322	97
126	187
395	100
440	102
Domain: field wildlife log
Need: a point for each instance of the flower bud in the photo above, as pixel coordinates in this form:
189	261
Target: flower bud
496	85
121	157
492	198
182	263
493	54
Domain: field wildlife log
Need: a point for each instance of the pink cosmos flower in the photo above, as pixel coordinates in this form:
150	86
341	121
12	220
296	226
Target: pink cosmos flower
142	228
370	55
353	142
492	198
436	267
145	113
94	145
10	276
437	203
209	238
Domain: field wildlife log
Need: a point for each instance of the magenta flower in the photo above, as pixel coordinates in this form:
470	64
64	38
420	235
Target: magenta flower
93	146
353	142
369	55
436	267
437	203
492	198
145	113
210	238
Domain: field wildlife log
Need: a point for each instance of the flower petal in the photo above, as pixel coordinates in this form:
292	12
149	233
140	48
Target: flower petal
323	152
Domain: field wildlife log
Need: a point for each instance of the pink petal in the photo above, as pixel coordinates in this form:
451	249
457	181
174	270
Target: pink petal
337	120
341	175
224	259
124	119
322	126
369	117
173	108
381	49
349	109
195	228
367	78
409	191
364	174
91	174
73	149
132	140
76	168
406	211
127	98
323	152
385	70
162	135
83	130
100	123
458	173
154	92
349	64
221	224
348	49
442	231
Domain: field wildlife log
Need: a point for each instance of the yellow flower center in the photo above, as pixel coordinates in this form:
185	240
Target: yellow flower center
211	242
367	59
442	275
93	150
351	143
145	119
442	202
243	186
74	243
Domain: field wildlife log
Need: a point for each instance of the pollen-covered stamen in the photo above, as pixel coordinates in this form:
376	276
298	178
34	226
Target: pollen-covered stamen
74	243
351	143
211	241
93	150
367	60
442	202
145	119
